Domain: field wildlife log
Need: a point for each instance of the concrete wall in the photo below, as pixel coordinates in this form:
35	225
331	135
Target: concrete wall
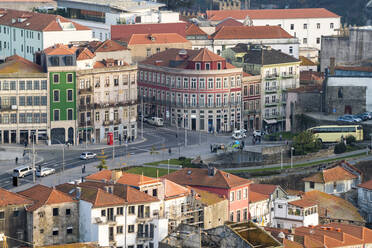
87	233
317	186
348	48
216	214
365	203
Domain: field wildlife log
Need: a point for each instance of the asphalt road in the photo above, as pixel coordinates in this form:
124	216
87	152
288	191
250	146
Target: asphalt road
155	138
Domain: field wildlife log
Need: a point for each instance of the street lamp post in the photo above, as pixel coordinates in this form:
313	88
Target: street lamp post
184	124
292	149
371	143
142	116
86	126
33	159
281	159
168	165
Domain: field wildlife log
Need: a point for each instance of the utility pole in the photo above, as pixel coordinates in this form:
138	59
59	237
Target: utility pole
184	117
281	159
86	126
33	160
292	148
113	150
63	157
142	115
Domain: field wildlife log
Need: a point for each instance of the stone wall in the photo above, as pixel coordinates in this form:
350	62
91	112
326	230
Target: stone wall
211	212
339	99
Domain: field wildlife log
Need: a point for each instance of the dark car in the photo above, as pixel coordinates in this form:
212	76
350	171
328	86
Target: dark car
363	116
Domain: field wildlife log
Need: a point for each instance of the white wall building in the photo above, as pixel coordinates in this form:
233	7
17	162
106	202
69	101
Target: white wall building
308	25
365	200
100	15
294	212
24	33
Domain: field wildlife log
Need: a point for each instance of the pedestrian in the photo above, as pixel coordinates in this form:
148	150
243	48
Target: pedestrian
83	169
259	139
16	160
280	137
243	143
125	136
24	153
132	138
253	140
211	147
169	151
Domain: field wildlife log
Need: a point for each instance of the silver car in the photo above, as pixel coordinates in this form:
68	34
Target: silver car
45	172
88	155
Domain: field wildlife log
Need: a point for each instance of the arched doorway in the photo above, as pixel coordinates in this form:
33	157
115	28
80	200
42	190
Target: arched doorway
348	110
71	135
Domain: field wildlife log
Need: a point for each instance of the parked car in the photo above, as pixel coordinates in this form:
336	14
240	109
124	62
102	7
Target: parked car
363	116
88	155
45	172
238	134
156	121
258	133
22	171
349	118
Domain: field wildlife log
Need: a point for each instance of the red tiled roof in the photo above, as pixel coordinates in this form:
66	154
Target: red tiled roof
257	197
101	175
162	38
366	185
265	189
206	55
60	49
85	54
302	203
17	64
228	22
331	175
194	30
200	177
109	46
354	68
218	15
123	32
250	32
128	193
43	195
291	244
10	198
311	76
98	197
35	21
174	190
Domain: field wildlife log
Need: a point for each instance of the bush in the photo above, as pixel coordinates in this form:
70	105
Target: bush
350	140
340	148
305	142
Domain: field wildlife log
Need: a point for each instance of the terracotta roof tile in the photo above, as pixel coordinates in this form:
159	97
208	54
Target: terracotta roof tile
123	32
17	64
10	198
98	197
333	207
174	190
206	55
331	175
265	189
291	244
128	193
35	21
257	197
84	54
303	203
161	38
194	30
250	32
206	197
354	68
218	15
366	185
228	22
43	195
109	46
101	175
306	62
311	76
200	177
60	49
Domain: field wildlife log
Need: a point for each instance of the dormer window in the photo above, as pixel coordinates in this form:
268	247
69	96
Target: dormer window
207	66
197	66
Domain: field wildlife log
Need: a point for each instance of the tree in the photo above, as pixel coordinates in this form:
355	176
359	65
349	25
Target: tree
102	157
306	142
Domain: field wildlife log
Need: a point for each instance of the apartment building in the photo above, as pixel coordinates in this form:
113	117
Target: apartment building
232	187
194	89
251	93
308	25
23	101
53	218
365	200
279	71
24	33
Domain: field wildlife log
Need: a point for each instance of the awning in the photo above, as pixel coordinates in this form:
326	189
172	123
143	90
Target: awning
270	121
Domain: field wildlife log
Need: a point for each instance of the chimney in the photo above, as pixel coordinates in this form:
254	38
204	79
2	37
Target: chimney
212	171
78	193
116	174
290	237
332	65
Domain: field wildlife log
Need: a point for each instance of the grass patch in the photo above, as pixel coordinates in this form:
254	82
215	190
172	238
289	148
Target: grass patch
256	171
148	171
185	162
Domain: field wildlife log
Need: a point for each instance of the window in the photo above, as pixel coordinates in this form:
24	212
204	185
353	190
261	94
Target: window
232	81
245	193
292	26
69	230
69	96
312	185
185	82
193	83
318	40
116	81
218	83
245	214
280	206
69	77
56	114
290	50
36	85
154	192
331	25
119	210
130	228
29	101
305	26
15	213
232	195
131	210
239	195
29	85
197	66
55	95
238	216
55	232
22	85
201	83
43	84
70	114
2	215
219	66
103	212
210	83
231	216
56	78
119	229
318	25
305	41
13	85
55	211
43	100
148	52
207	66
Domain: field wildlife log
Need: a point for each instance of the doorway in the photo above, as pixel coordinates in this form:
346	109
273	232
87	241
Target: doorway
193	124
348	110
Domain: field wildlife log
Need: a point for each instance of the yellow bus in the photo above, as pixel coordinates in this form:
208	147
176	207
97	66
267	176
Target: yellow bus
335	132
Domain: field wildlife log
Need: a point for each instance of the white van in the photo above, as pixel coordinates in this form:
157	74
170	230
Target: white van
156	121
238	134
22	171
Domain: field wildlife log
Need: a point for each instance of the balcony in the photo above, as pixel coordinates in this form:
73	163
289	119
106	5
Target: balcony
8	107
287	75
108	123
85	123
271	76
273	116
115	104
83	107
271	89
117	122
143	236
272	103
86	90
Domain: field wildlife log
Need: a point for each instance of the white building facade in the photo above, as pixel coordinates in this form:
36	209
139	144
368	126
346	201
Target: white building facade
365	200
